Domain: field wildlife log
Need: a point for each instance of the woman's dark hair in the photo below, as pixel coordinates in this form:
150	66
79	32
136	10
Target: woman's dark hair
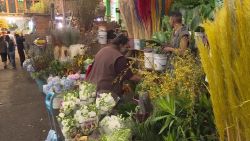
177	16
111	34
120	40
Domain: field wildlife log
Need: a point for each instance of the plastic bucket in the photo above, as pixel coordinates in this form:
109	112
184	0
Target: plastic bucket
149	60
40	84
102	37
160	62
137	44
57	101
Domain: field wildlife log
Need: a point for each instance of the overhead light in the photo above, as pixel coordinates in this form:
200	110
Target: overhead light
60	25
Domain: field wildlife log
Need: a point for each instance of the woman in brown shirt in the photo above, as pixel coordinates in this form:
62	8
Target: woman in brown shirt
111	68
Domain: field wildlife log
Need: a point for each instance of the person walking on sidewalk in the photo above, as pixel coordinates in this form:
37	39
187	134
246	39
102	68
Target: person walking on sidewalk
12	37
11	50
3	51
20	48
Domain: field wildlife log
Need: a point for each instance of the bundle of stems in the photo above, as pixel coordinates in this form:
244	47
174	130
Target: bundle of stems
142	18
126	17
227	65
134	27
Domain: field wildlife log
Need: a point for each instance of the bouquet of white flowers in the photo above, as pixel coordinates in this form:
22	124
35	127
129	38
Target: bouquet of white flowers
105	103
86	118
69	103
110	124
87	93
68	127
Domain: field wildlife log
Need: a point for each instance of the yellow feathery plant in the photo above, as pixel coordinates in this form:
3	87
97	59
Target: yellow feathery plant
227	65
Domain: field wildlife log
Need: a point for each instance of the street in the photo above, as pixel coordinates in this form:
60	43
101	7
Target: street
22	111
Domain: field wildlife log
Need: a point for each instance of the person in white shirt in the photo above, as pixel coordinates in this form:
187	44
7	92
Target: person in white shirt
12	37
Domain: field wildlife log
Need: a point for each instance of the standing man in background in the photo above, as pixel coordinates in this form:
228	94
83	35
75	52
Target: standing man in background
12	37
11	50
180	36
20	48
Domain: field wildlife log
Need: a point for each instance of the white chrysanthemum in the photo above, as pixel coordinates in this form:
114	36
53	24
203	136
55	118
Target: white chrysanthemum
92	114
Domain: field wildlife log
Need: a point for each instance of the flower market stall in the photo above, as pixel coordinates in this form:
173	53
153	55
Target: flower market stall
172	100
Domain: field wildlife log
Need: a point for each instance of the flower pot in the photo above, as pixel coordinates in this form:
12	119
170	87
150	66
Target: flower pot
149	60
57	102
160	62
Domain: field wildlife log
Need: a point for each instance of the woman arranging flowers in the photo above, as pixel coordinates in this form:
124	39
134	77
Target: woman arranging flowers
110	64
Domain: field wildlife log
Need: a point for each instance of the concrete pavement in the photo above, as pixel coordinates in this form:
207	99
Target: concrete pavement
22	111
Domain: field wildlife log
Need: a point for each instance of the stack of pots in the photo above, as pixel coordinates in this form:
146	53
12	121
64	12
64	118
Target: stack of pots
102	35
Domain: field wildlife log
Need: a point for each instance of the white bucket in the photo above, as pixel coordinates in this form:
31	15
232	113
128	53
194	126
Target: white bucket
160	62
57	102
102	37
149	60
137	44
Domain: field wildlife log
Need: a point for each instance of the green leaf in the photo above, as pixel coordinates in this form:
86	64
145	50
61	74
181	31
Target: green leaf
166	124
160	118
195	23
169	138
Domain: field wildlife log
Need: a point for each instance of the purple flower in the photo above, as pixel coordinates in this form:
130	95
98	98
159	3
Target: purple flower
74	76
26	63
47	89
30	68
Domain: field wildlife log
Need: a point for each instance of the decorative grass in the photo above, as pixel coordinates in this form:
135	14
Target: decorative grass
227	65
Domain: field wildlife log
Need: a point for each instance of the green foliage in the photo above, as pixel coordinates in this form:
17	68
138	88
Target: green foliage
182	109
119	135
57	68
161	37
179	118
124	109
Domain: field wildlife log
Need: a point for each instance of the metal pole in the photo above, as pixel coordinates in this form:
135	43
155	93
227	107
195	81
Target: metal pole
25	6
63	11
7	6
16	5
